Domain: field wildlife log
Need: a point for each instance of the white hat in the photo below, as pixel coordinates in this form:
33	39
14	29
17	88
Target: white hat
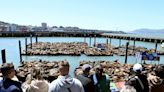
86	66
137	67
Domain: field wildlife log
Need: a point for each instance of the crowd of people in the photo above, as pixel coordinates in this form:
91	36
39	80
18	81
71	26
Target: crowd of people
141	81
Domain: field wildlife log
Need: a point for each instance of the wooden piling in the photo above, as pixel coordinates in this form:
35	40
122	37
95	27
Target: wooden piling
128	39
26	45
85	38
110	41
134	42
36	39
31	40
156	44
107	41
3	53
20	52
94	40
119	42
126	52
90	41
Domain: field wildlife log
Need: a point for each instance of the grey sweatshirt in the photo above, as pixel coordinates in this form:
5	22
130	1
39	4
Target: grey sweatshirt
66	83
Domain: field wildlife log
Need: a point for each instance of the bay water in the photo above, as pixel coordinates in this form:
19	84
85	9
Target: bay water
10	44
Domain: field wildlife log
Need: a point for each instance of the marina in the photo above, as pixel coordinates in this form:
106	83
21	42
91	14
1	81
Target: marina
11	45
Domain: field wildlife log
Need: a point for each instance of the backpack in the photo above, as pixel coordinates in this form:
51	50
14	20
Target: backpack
140	84
84	80
9	89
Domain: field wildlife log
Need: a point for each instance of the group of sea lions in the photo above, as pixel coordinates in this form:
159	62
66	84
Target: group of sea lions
118	72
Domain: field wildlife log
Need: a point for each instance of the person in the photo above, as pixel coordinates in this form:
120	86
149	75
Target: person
36	82
128	88
85	80
64	82
7	84
101	80
155	79
139	80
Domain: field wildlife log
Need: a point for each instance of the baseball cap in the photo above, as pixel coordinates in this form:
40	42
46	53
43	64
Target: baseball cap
137	67
86	66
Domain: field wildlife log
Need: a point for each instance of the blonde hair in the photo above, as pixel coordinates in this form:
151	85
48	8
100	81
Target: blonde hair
63	68
128	88
63	64
37	73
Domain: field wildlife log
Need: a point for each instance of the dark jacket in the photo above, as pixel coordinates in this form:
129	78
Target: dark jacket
87	83
158	88
156	84
137	85
8	82
101	85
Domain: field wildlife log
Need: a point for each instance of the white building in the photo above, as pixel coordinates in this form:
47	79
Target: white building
44	26
12	27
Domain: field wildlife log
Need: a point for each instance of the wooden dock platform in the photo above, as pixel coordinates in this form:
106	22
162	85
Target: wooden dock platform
136	38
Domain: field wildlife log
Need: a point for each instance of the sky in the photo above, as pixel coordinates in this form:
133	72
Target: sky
116	15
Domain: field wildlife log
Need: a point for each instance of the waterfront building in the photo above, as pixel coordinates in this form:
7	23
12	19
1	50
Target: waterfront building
23	28
36	28
56	30
8	28
44	26
12	27
3	28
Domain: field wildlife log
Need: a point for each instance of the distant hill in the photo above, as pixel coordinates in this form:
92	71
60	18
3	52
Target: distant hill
148	31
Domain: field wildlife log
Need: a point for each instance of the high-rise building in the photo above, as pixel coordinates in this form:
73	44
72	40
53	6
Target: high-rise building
44	26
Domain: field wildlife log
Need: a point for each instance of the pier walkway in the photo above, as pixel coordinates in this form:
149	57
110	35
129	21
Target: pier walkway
125	36
134	37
